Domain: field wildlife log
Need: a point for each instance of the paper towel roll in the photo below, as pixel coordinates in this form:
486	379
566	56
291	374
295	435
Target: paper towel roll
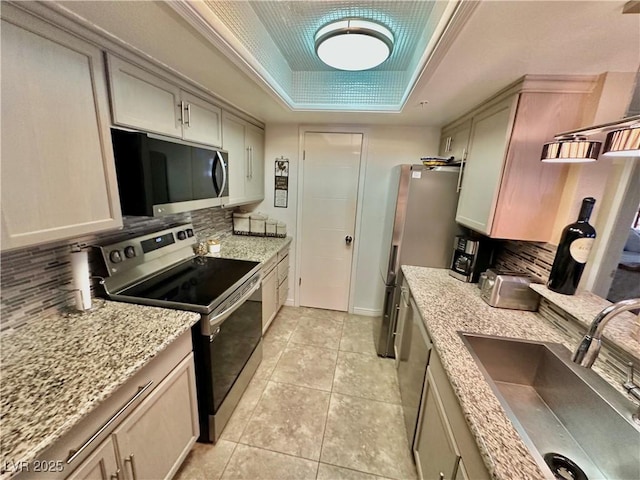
81	282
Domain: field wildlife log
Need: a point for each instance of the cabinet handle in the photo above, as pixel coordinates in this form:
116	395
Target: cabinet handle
447	147
251	161
248	162
441	476
462	162
73	454
181	113
134	472
116	476
188	114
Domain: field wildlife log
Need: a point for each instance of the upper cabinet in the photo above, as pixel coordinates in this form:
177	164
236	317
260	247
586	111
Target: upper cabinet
245	144
506	191
58	175
144	101
454	141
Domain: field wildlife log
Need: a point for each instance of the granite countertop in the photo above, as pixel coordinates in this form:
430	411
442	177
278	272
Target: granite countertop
257	249
56	370
448	306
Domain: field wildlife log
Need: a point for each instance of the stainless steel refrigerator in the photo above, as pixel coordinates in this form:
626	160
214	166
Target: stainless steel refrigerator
419	230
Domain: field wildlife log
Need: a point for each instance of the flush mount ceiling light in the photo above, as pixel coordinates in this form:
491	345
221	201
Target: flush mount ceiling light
623	143
570	149
353	44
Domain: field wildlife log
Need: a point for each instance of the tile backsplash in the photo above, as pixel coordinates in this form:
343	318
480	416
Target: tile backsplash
36	281
530	257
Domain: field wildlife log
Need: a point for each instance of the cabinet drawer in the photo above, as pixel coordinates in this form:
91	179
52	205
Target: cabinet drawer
269	265
283	269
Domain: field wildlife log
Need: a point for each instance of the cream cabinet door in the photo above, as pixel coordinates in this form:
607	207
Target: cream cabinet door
157	436
435	450
233	142
143	101
269	298
254	142
58	172
454	142
100	465
202	121
490	135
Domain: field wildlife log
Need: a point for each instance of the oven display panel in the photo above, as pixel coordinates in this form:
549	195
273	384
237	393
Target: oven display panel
157	242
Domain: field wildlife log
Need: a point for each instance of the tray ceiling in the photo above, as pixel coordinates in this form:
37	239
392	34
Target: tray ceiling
275	39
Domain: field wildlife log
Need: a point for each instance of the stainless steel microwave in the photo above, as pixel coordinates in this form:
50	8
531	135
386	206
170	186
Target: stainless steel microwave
159	176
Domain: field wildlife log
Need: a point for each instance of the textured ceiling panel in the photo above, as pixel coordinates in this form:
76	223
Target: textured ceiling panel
279	35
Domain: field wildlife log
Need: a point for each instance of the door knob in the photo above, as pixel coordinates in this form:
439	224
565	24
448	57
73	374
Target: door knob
348	239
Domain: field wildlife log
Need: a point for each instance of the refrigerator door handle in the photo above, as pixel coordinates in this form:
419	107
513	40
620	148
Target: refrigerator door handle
393	260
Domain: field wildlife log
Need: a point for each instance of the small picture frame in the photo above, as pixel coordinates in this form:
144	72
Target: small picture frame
281	185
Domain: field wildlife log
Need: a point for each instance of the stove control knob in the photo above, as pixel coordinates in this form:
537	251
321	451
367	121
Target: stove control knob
189	232
129	252
182	235
115	256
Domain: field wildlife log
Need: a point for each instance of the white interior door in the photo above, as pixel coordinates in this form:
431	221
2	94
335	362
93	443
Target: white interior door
329	200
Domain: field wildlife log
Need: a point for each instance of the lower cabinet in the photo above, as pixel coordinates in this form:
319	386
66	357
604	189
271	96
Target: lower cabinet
444	448
143	430
435	451
275	286
157	436
102	464
269	296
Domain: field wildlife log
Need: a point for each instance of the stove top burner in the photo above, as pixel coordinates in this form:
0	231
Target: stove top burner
198	284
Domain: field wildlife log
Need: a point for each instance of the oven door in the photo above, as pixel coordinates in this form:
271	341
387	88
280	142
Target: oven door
226	355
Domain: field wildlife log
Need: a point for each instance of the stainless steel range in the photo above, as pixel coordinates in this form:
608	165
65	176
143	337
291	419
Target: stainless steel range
160	269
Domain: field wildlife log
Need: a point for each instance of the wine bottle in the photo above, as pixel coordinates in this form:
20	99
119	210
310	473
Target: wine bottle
573	251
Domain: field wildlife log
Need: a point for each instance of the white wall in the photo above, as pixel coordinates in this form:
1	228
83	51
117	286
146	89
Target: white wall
387	146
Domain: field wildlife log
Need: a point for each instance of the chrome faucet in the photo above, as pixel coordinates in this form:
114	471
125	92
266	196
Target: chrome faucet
589	348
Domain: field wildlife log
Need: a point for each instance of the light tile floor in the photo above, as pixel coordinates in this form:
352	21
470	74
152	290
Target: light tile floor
322	405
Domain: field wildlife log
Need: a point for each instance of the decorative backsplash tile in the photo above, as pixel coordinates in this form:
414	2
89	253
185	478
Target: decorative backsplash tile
530	257
36	281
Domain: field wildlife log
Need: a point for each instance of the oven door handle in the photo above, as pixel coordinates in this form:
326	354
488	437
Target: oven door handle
209	327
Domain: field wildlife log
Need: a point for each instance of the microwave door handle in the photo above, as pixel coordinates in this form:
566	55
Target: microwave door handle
224	173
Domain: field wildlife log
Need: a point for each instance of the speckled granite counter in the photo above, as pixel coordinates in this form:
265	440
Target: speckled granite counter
56	370
448	306
257	249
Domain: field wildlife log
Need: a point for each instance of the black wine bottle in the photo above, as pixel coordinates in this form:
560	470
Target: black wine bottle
573	251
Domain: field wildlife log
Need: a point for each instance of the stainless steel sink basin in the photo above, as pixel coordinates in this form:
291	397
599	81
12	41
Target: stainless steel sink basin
560	408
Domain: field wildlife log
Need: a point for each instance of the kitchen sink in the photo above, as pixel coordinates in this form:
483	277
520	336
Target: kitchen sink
573	421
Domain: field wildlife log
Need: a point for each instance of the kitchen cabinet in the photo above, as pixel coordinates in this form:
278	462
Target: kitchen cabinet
436	452
283	276
269	292
506	192
415	349
58	172
444	448
245	144
275	286
144	429
158	435
144	101
454	141
102	464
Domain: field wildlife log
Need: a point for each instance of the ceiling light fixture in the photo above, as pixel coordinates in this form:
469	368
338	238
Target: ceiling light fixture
623	143
353	44
570	149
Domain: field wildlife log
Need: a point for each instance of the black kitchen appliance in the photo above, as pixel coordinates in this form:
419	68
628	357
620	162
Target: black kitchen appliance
471	257
160	269
160	176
